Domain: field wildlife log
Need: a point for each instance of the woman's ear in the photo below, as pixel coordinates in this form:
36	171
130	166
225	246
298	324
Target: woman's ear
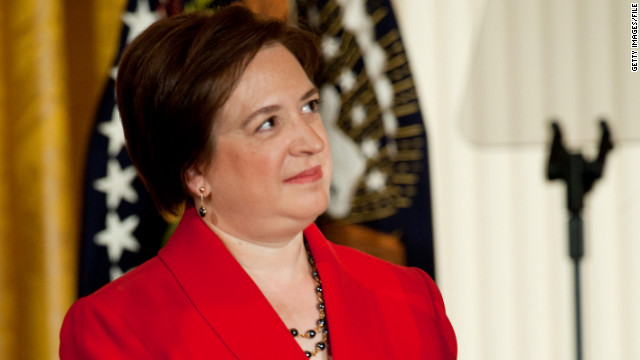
195	180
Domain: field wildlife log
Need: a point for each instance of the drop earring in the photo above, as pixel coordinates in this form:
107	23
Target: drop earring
202	211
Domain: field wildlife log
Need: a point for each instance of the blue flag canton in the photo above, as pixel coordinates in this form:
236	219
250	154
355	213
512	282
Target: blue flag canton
121	227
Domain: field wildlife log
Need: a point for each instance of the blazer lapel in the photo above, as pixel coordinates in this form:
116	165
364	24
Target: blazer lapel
351	312
225	296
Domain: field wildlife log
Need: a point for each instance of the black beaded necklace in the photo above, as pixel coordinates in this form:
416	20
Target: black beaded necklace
321	324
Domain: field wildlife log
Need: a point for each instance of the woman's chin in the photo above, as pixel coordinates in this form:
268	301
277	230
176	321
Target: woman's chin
312	208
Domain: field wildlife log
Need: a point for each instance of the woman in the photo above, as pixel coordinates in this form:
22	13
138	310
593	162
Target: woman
219	112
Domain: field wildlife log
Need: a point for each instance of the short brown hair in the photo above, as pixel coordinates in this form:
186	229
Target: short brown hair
174	78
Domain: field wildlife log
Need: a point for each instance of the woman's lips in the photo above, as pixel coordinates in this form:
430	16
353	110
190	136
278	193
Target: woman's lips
306	176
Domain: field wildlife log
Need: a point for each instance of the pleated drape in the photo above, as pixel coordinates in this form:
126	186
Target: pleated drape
54	59
501	227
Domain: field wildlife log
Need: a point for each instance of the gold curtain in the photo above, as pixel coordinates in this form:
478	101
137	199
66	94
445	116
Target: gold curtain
55	56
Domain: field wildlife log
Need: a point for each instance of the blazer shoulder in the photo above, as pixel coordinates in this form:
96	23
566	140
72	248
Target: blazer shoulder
94	330
150	276
396	286
370	268
105	321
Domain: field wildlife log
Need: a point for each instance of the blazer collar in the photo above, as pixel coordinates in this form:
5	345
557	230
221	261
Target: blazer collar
224	294
235	309
352	314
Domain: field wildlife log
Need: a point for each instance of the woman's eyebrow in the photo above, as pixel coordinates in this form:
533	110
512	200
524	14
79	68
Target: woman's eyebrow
309	93
263	110
273	108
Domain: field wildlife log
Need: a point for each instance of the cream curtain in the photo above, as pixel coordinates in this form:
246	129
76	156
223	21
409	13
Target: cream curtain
54	57
500	226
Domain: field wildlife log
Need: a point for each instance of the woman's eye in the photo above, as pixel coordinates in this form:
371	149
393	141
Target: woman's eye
311	106
269	124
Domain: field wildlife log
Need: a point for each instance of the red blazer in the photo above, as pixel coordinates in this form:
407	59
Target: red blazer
194	301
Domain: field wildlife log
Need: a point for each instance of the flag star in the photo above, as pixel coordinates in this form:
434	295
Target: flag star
369	148
113	130
115	272
114	72
347	80
118	184
118	236
139	20
358	114
376	180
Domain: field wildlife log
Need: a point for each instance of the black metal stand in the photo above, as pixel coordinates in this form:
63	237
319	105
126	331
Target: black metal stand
579	176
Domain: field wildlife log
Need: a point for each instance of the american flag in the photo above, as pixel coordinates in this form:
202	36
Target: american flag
121	227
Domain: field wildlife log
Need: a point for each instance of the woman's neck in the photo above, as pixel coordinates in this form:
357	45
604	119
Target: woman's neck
279	260
282	272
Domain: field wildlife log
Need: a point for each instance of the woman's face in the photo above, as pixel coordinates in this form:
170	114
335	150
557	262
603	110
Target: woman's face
271	167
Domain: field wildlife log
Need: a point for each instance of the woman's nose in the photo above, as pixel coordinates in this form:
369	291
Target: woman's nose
309	137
